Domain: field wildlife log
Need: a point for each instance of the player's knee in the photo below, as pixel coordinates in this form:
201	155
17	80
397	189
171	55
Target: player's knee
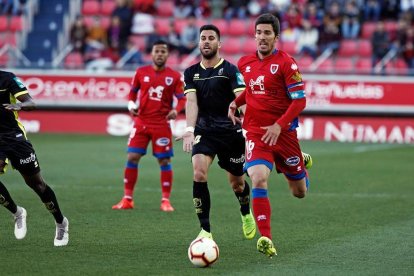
299	193
200	176
164	162
237	185
133	157
258	180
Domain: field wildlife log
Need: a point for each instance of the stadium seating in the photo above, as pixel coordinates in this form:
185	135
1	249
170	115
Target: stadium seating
139	41
326	67
368	29
74	61
4	59
249	46
4	23
107	6
231	46
162	25
365	48
363	65
16	23
222	25
304	63
344	65
91	7
237	27
288	46
165	8
348	48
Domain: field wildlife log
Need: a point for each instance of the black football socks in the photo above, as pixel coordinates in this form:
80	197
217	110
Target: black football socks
201	200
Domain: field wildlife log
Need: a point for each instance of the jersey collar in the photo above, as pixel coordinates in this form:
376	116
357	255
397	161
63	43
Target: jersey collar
215	66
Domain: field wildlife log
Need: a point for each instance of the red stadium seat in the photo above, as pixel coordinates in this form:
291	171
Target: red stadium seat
390	26
231	46
222	25
368	29
326	67
4	23
173	60
365	48
165	8
91	7
74	60
288	47
250	29
139	41
4	59
304	63
348	48
363	65
344	65
179	25
162	25
16	23
249	46
397	66
107	6
237	27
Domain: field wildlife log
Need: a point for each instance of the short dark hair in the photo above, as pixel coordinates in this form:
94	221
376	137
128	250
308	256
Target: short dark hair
210	27
268	18
160	42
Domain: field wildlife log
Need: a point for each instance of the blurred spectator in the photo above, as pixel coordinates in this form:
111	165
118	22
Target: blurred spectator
329	37
97	35
333	16
308	40
372	10
173	38
124	12
151	38
350	22
217	8
189	37
390	9
132	55
183	8
407	47
202	8
104	61
117	37
236	8
142	23
292	19
254	8
312	14
380	43
269	6
145	6
78	33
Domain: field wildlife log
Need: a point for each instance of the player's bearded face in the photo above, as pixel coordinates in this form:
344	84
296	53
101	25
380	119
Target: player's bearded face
208	44
159	55
265	39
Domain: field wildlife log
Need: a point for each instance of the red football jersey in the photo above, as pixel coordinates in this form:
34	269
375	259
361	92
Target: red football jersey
271	86
155	91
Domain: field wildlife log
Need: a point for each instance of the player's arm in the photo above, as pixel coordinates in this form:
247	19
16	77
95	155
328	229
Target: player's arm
239	87
26	103
239	102
133	105
181	100
191	113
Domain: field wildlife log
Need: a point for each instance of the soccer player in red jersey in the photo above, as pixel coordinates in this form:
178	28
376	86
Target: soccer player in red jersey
151	103
274	97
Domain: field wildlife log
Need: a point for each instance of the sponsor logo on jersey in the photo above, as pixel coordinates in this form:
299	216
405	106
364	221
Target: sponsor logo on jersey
237	160
196	76
258	83
274	68
146	79
220	72
156	93
247	69
240	79
18	82
249	148
294	66
292	161
163	141
297	77
30	159
168	81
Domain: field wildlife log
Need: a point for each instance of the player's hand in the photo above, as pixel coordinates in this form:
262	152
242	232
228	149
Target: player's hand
13	107
172	114
231	112
272	133
188	141
133	108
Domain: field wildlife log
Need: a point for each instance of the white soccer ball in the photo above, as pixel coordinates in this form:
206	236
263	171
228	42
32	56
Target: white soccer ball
203	252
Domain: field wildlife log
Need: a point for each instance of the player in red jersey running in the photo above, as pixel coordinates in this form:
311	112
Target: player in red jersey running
274	97
151	103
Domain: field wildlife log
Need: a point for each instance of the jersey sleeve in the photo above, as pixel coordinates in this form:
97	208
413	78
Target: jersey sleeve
179	93
236	79
16	86
293	80
135	86
189	86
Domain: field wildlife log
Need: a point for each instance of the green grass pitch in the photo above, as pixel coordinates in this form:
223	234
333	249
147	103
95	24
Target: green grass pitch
357	219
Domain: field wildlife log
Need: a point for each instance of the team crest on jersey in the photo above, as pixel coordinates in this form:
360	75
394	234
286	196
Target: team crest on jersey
274	68
146	79
259	82
220	72
168	81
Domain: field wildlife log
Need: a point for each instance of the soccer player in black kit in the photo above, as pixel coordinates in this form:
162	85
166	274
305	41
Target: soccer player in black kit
210	86
15	147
